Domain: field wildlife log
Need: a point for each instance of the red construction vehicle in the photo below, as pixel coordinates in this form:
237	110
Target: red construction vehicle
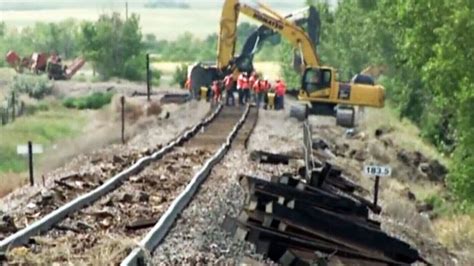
39	63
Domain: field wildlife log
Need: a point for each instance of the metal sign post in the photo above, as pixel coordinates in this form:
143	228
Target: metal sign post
30	160
122	102
376	189
13	106
308	152
148	77
29	150
377	171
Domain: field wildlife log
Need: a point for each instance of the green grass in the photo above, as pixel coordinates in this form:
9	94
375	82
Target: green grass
94	101
405	134
45	127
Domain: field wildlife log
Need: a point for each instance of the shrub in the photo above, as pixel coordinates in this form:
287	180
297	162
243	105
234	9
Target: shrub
155	77
94	101
32	109
35	86
135	68
180	74
115	46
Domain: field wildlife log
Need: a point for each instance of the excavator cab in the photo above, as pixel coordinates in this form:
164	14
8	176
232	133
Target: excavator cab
316	79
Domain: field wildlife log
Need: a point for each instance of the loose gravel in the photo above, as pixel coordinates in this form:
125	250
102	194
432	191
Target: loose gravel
198	232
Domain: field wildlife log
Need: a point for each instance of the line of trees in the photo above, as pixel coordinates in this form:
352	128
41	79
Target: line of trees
425	48
42	37
188	47
113	45
116	46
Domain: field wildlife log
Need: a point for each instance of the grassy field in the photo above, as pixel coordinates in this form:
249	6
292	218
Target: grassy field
164	23
43	128
6	74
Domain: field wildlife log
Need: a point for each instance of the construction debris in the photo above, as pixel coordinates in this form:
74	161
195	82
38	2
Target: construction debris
269	158
42	62
178	98
291	221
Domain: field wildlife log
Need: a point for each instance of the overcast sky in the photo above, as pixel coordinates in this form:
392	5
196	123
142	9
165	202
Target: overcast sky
104	3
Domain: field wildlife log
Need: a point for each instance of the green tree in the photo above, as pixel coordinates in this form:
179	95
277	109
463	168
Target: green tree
288	73
426	49
57	37
180	74
115	46
2	29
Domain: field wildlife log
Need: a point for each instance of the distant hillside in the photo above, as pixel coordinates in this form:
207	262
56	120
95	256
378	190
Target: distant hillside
167	4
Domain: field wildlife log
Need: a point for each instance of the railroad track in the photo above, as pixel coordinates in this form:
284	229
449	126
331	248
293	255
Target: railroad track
65	197
150	193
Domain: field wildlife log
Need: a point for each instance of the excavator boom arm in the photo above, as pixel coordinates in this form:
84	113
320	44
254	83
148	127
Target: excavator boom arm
294	34
227	34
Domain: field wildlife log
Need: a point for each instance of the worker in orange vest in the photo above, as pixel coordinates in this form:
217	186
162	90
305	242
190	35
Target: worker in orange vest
229	85
243	88
216	91
280	90
261	87
187	85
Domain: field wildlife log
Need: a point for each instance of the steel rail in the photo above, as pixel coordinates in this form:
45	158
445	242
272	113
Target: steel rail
44	224
156	235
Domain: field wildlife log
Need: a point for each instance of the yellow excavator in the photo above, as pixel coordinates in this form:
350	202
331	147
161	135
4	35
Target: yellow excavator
319	88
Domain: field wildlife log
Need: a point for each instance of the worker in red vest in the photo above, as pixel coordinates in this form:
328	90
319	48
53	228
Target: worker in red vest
280	90
229	85
261	87
243	88
187	85
216	91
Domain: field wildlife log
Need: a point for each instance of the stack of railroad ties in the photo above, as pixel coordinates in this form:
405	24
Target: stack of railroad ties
317	222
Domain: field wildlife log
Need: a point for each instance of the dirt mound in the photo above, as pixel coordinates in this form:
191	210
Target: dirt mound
136	108
432	169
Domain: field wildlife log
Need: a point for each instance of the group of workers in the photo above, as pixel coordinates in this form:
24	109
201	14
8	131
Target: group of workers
250	88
